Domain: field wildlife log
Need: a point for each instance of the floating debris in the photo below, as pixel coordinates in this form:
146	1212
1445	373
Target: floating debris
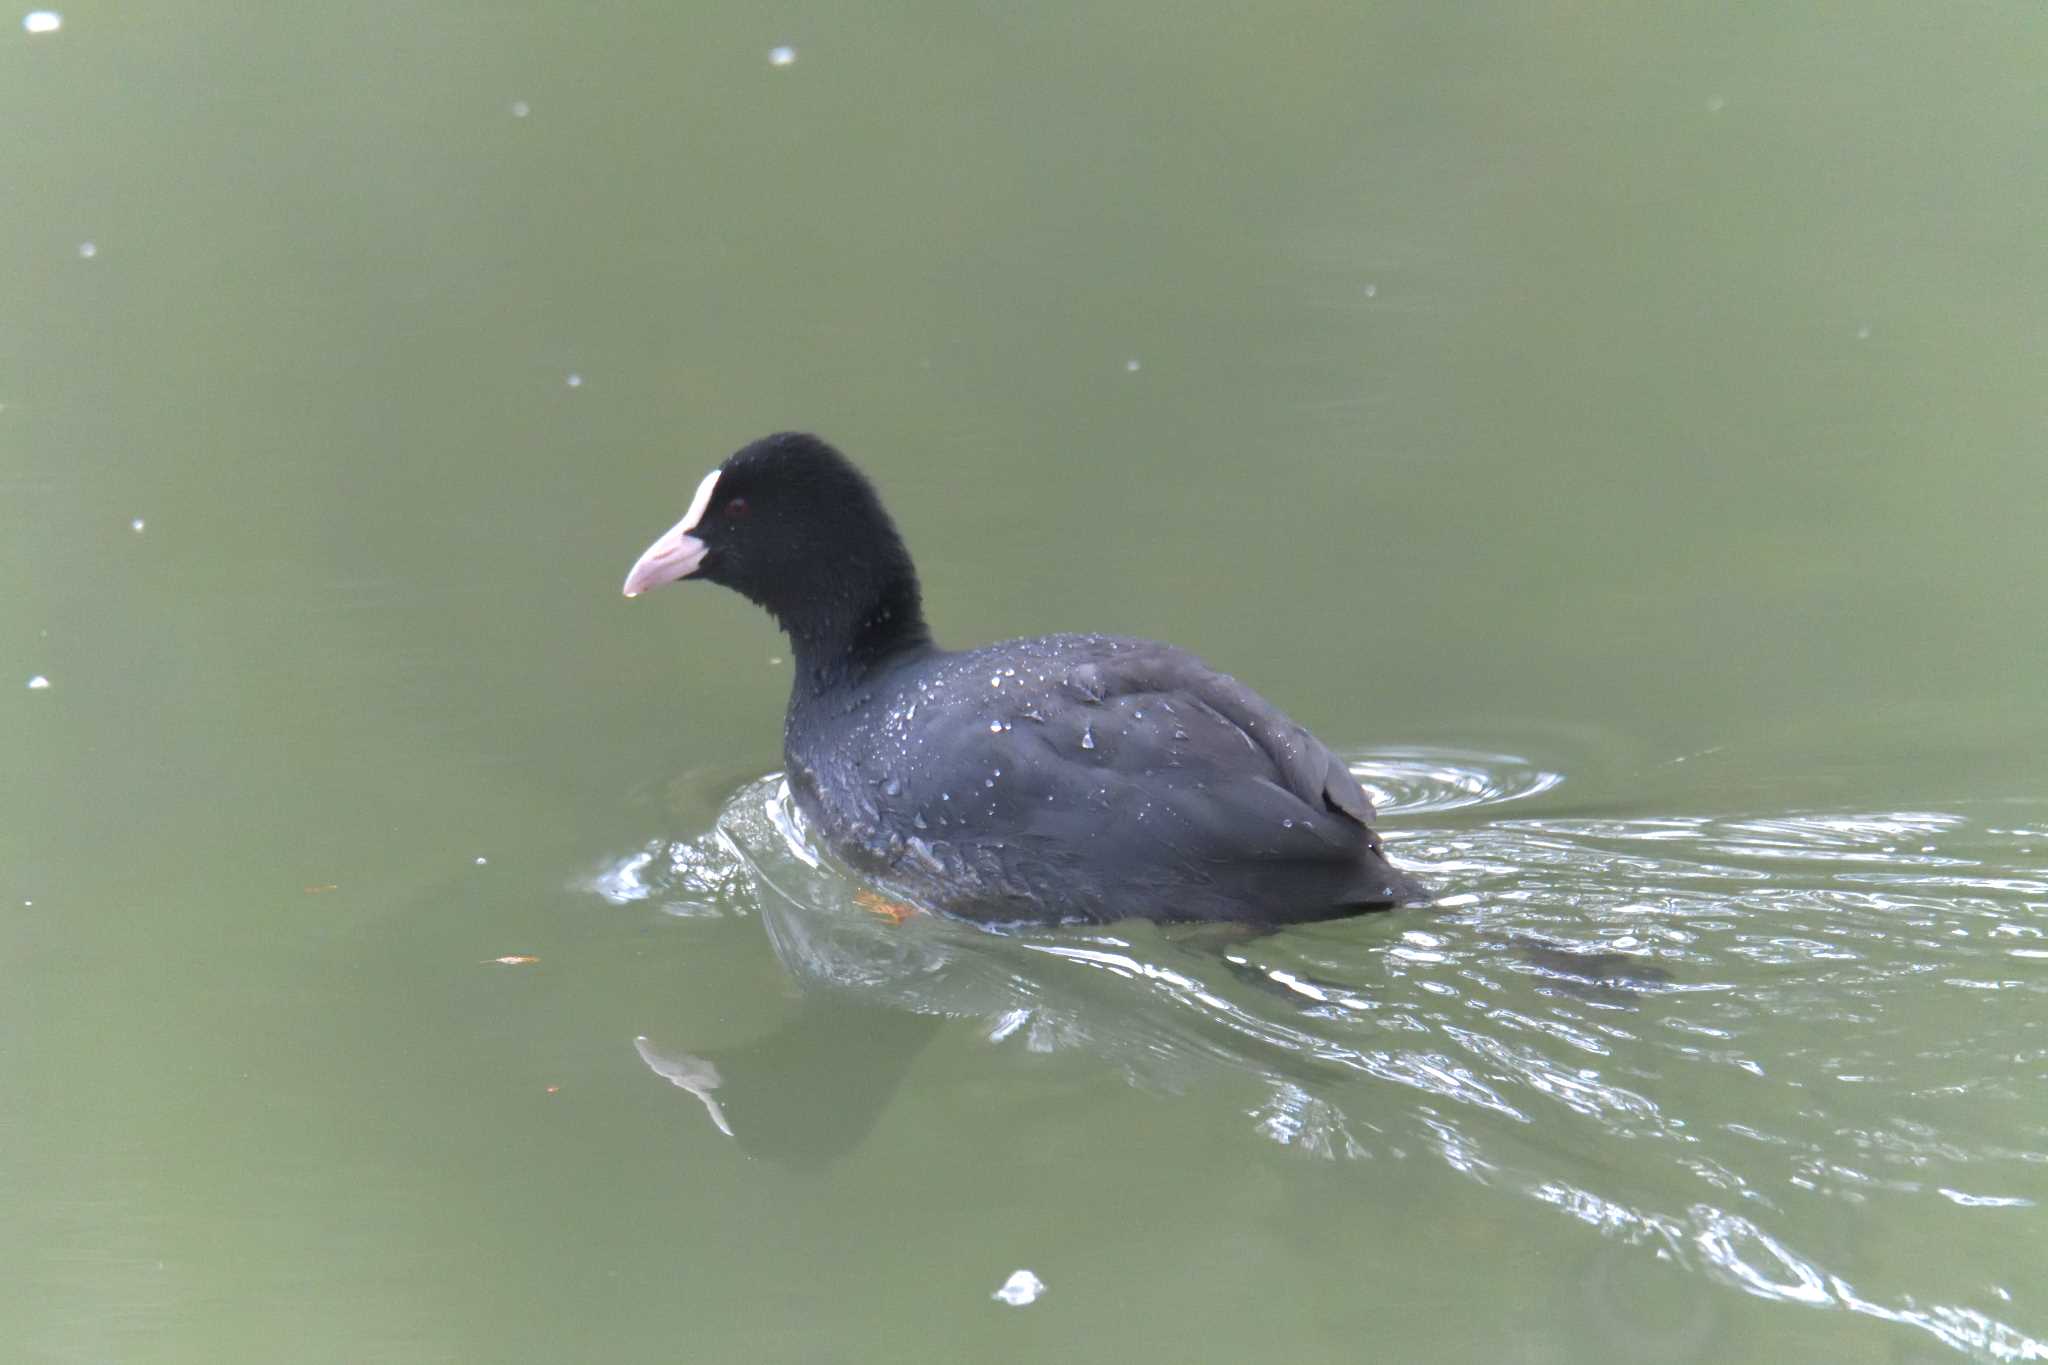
1021	1288
480	862
520	108
893	911
782	56
1132	366
322	889
698	1075
87	250
137	525
574	381
42	21
511	960
38	683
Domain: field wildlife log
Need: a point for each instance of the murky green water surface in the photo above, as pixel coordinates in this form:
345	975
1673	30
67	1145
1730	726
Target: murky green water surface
1619	434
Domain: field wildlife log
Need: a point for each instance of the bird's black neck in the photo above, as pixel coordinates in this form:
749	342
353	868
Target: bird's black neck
843	632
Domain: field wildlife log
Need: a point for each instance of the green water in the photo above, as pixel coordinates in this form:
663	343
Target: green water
1619	432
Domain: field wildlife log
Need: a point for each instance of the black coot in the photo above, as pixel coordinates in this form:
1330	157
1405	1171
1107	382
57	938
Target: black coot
1067	777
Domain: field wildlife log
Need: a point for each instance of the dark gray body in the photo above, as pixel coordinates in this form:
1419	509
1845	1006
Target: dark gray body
1084	777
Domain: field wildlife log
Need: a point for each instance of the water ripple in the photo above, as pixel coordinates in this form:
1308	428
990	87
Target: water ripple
1414	781
1602	1013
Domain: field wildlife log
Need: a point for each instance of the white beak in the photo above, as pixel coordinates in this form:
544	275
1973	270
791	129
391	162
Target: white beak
678	553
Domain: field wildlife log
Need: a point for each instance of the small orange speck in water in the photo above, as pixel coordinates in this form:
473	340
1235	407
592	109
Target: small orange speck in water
893	911
512	960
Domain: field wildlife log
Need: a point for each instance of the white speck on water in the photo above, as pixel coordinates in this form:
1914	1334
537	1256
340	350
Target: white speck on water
87	250
137	525
574	381
1087	736
38	683
893	787
782	56
1716	103
1372	291
480	862
1132	366
995	727
996	681
1021	1288
28	905
1287	822
1863	334
775	660
42	21
520	108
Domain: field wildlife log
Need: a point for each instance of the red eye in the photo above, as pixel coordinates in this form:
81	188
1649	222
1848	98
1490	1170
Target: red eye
736	510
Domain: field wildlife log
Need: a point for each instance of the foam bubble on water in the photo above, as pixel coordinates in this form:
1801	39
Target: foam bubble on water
1372	291
87	250
520	108
480	862
1021	1288
781	56
38	683
574	381
1716	103
42	21
137	525
1132	366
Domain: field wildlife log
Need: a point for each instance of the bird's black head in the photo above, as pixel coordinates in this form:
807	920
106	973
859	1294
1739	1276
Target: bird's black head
789	523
